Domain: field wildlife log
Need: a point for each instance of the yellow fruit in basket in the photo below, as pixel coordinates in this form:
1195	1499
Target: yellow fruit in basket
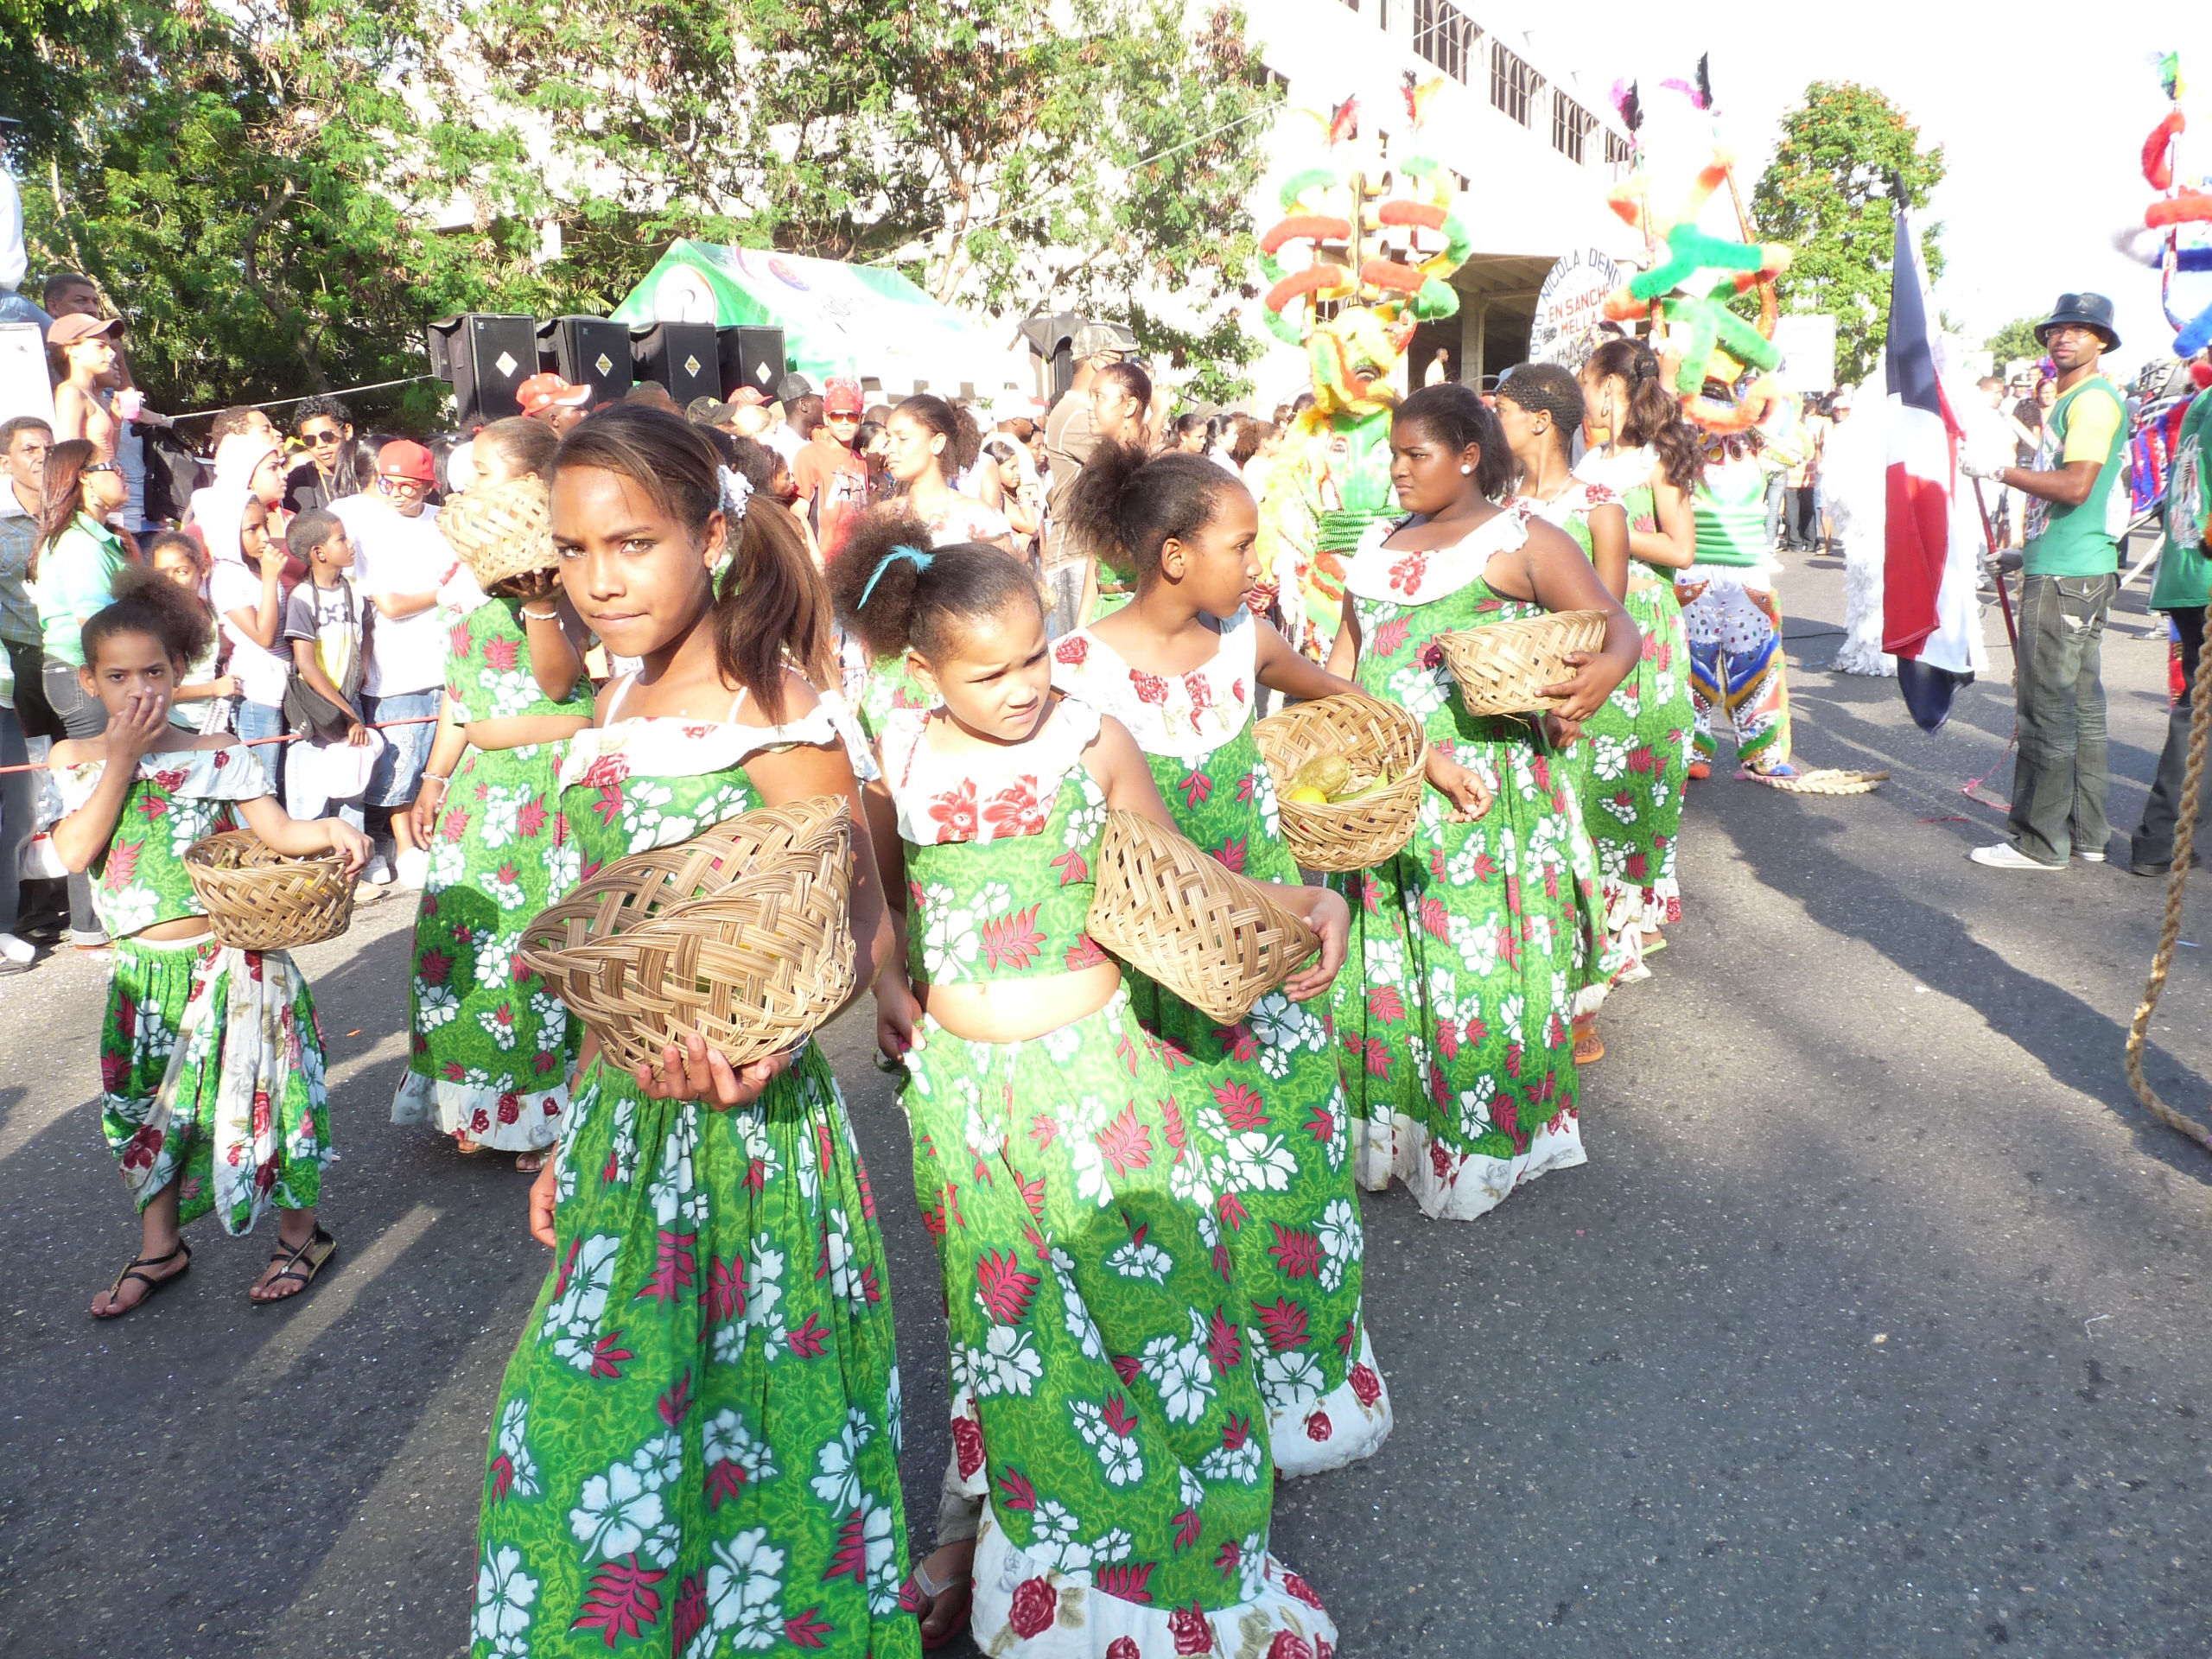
1326	772
1306	795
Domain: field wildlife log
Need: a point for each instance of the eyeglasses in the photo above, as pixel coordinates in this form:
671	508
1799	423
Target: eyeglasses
844	420
103	466
319	439
412	486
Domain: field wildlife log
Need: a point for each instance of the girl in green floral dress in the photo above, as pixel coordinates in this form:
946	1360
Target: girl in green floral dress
695	1449
1538	409
1642	450
490	1045
1462	1078
210	1064
1180	666
1105	1381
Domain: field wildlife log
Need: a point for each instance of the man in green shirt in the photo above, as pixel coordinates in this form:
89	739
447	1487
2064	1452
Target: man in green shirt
2183	589
2077	507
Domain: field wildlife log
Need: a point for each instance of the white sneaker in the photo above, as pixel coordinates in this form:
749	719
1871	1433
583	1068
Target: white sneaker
2089	858
378	873
2006	856
413	868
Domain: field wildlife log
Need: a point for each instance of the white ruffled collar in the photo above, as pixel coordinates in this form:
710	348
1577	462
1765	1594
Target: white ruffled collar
660	746
1401	577
1580	495
233	773
1620	472
1186	715
943	799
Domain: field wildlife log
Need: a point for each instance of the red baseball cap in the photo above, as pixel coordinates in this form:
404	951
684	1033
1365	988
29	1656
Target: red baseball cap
751	396
841	394
544	392
404	458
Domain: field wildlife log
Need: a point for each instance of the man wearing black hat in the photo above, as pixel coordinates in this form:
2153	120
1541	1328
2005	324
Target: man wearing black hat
2077	511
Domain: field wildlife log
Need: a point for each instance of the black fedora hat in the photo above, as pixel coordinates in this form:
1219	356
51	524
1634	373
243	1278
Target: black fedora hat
2090	310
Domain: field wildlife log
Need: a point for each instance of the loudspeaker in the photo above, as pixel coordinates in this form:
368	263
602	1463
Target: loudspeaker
751	357
682	356
591	351
485	356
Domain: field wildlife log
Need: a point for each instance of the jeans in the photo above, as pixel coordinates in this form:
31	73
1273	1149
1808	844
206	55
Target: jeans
2154	839
18	799
257	719
1064	594
2059	783
81	716
1776	490
33	713
398	774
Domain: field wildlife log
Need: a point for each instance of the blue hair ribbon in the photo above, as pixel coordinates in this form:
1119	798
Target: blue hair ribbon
913	556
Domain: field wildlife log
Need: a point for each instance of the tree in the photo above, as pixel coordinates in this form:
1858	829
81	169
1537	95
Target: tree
255	187
1010	157
1829	194
2016	338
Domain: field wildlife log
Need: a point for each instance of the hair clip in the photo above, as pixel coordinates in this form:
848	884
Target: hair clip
737	489
913	556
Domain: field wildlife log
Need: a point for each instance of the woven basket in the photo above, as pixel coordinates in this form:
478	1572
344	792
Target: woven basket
1369	733
257	899
1213	937
740	934
502	530
1503	668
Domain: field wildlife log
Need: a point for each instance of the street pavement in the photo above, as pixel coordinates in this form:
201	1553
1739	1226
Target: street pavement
1875	1324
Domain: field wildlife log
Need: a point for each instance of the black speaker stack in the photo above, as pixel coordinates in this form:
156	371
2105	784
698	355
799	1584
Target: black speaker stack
485	355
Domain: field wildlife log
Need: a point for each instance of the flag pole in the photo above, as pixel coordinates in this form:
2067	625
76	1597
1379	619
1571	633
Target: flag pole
2004	594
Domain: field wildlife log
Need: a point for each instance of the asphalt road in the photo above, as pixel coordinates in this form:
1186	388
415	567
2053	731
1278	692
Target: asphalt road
1875	1324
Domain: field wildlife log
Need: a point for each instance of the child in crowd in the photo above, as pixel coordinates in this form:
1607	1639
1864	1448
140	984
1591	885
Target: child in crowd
203	702
490	1046
1085	1277
324	623
1468	946
1181	666
246	586
706	1397
210	1064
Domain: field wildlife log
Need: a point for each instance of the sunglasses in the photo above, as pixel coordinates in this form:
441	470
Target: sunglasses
103	466
319	439
415	486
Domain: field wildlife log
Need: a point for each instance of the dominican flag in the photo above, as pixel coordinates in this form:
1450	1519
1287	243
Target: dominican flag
1930	621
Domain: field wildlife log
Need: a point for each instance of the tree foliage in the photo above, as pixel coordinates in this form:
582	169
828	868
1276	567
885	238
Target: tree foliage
1829	194
2016	338
1006	162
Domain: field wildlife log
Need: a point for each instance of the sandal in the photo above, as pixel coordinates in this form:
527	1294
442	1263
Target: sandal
148	1280
464	1147
927	1590
300	1265
1589	1047
530	1162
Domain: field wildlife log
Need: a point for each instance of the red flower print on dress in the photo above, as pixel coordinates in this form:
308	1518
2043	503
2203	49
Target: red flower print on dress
1296	1251
1406	574
1003	1287
968	1445
1390	636
1288	1644
1282	1322
1200	690
1036	1605
122	864
1150	687
1241	1104
1072	651
1127	1582
622	1601
1014	1491
1303	1591
462	642
1122	1647
144	1147
1191	1633
604	770
500	655
1013	941
529	820
955	813
1366	1387
1015	809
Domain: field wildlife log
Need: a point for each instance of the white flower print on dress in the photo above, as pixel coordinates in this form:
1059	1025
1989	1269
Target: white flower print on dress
129	911
498	823
573	1319
618	1512
837	1463
727	1438
512	693
1140	1259
1062	1042
1056	1536
674	1195
1239	1463
505	1594
1182	1372
514	1425
1110	1432
1340	1241
1420	690
1475	1120
505	889
449	866
883	1578
744	1588
1252	1161
1007	1364
1074	1311
1291	1379
501	1032
552	1020
495	959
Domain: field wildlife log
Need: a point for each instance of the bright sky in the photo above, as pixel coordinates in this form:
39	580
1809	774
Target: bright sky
2041	110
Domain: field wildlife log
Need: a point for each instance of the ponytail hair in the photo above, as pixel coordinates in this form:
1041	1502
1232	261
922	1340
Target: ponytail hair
1653	418
956	426
149	603
1124	506
770	601
1456	415
898	593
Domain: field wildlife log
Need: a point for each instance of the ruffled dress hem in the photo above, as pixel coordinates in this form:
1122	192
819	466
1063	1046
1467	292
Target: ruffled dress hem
503	1119
1438	1177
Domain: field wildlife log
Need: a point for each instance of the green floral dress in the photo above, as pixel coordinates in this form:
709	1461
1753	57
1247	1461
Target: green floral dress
1105	1369
211	1061
1641	738
695	1451
1467	948
489	1046
1271	1113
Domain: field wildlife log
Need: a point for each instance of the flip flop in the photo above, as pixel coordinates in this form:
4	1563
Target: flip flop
929	1590
154	1286
1589	1049
318	1249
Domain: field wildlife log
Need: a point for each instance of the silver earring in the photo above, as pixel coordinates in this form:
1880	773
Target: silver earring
1467	470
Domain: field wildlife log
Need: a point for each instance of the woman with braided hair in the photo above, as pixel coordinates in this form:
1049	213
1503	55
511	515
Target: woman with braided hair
1643	450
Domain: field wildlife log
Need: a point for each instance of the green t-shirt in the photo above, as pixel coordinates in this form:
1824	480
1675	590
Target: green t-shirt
2089	423
2184	578
76	578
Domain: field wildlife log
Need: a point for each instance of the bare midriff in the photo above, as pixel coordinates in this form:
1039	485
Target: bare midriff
1016	1010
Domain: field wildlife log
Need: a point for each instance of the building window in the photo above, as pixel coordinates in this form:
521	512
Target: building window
1444	36
1571	123
1382	15
1513	83
1617	150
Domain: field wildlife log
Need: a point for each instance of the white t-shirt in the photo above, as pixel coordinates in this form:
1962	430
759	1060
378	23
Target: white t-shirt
397	555
262	673
784	441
